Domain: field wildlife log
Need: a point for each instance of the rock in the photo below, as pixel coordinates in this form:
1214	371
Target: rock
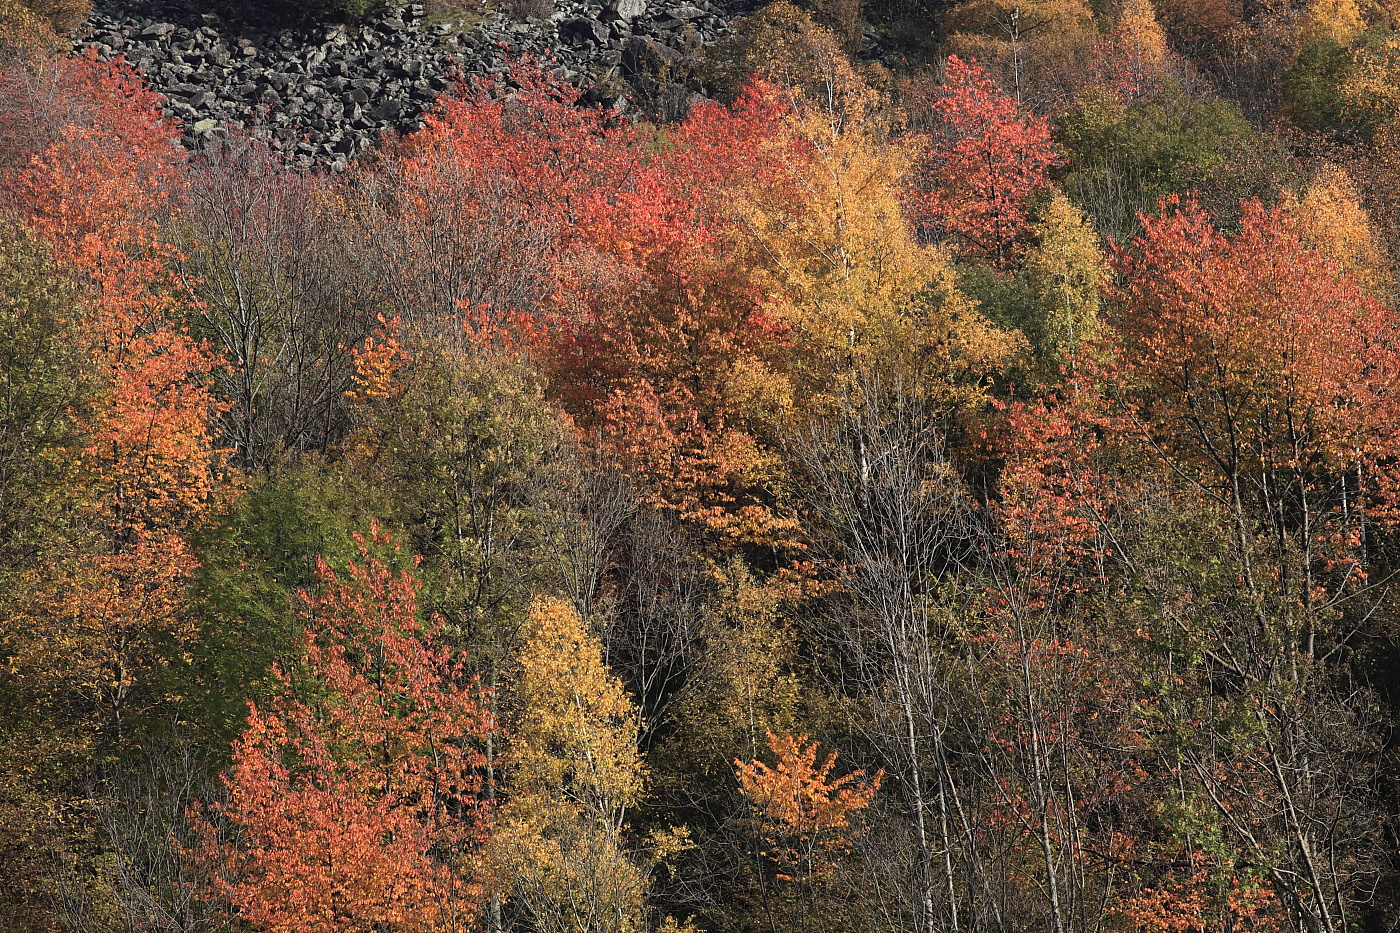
581	29
387	111
628	9
157	31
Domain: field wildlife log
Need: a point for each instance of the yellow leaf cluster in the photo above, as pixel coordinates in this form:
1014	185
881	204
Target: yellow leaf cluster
1067	270
783	46
573	770
87	630
23	34
1333	222
1338	20
1141	34
568	872
575	729
1372	92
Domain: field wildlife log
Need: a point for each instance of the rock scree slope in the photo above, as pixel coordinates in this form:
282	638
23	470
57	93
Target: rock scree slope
322	94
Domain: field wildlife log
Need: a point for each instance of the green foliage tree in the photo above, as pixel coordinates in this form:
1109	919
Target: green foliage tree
46	382
1312	88
255	556
1124	156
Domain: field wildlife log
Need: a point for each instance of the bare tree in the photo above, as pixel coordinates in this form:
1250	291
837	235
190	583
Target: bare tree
435	235
890	511
260	253
152	879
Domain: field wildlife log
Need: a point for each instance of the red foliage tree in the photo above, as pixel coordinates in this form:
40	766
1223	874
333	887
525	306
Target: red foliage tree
559	158
1056	500
662	343
475	210
1260	368
355	796
983	162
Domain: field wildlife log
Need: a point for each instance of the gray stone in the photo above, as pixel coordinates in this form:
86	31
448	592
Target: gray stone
580	29
348	88
628	9
389	110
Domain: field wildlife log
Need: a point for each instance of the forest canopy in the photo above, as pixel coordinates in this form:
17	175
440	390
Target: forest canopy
955	495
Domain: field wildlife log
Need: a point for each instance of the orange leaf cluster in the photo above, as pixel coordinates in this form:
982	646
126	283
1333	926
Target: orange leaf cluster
356	793
804	811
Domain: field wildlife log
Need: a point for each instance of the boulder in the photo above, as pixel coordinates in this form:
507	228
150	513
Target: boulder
628	9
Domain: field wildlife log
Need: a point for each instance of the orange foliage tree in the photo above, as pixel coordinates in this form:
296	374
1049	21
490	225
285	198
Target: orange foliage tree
1133	61
630	295
1199	893
95	194
1263	376
663	344
90	174
983	163
804	812
356	796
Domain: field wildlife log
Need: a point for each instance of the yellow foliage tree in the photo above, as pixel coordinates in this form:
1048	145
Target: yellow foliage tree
742	686
1372	92
23	34
785	47
1338	20
1139	31
851	280
1066	269
1039	50
1333	222
573	771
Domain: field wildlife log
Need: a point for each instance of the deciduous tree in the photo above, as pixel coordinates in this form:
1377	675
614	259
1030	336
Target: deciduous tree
1068	270
354	798
573	773
983	162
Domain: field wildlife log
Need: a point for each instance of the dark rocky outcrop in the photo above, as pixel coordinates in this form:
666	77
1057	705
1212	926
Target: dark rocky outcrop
321	95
